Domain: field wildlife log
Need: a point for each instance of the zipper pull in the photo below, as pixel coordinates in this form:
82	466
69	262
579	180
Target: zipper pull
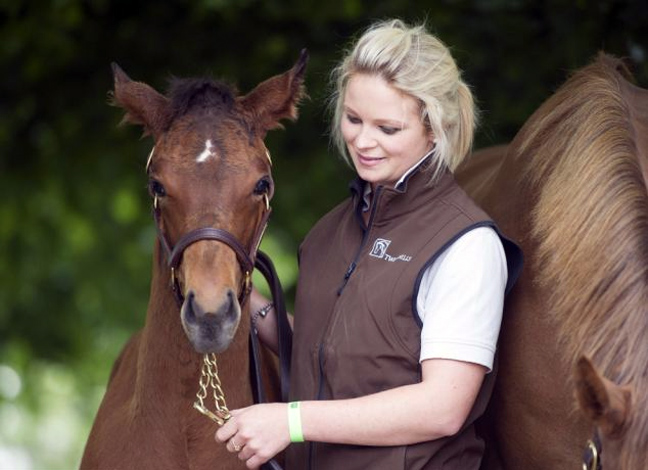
347	275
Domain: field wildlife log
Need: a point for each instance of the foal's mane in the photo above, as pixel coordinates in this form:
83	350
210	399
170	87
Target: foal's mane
591	225
219	98
187	94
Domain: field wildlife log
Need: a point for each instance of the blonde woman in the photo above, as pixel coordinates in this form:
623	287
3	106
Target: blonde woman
401	287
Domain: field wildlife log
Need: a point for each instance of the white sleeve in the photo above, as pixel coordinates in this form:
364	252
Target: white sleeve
461	297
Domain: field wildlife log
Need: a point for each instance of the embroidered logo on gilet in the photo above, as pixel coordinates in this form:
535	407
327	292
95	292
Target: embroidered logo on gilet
379	250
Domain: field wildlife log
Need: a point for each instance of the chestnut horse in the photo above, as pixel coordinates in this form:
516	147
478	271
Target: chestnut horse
571	190
210	179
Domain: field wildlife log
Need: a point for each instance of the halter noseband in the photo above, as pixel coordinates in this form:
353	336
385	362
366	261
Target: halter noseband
174	253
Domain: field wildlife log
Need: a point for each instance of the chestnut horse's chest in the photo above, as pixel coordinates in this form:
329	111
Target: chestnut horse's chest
533	393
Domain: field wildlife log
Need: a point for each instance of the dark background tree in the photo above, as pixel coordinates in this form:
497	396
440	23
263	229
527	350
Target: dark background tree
75	228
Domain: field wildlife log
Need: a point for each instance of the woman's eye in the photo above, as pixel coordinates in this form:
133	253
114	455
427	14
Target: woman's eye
156	188
353	119
262	187
389	130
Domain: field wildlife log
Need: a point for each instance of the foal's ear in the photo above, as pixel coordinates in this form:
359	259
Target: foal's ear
143	105
605	403
276	98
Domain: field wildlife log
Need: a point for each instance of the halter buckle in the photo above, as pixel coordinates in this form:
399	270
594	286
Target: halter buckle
247	283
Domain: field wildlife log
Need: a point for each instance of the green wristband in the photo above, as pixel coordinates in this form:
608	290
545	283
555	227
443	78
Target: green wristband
294	422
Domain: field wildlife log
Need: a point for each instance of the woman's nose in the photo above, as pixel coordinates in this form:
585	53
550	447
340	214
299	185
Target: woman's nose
365	139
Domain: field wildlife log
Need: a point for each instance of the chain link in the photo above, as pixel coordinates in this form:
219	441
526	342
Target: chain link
209	380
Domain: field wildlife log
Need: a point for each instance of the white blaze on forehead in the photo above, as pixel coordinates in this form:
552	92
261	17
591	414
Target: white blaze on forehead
205	154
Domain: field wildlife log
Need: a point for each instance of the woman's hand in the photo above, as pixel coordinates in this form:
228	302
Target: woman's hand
256	433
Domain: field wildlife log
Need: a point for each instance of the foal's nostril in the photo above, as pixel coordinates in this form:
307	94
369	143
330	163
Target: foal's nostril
192	311
228	309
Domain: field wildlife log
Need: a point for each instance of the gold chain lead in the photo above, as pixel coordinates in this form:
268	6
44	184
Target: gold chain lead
209	379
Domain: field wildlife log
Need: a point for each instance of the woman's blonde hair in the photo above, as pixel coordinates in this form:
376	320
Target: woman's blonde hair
417	63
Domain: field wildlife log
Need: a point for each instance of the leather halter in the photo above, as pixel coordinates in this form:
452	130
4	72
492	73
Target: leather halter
246	258
592	453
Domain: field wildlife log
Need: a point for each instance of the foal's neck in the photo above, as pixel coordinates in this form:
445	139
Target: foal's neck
166	360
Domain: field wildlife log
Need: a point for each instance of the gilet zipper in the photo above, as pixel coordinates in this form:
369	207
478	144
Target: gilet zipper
365	237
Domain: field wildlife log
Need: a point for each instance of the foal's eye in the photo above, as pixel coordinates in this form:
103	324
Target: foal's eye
156	188
262	187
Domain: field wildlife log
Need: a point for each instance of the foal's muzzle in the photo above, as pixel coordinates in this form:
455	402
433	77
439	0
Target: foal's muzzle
210	331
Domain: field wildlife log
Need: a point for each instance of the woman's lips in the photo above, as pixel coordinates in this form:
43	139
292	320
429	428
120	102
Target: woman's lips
369	161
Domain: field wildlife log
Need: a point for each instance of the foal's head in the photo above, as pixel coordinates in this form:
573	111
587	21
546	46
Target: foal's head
210	169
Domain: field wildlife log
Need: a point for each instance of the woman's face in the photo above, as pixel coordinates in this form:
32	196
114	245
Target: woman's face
382	129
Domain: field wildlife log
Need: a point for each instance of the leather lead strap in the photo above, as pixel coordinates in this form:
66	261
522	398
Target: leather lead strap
284	335
284	331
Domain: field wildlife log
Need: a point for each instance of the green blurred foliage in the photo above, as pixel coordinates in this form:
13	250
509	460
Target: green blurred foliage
76	235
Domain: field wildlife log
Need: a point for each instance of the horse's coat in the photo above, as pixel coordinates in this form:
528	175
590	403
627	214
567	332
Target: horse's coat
571	190
146	420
